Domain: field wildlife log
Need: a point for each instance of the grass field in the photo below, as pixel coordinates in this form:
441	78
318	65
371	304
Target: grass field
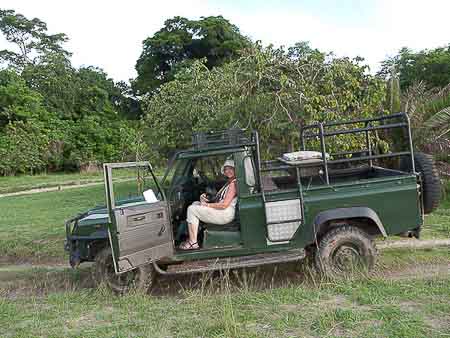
407	296
11	184
32	226
18	183
373	308
271	302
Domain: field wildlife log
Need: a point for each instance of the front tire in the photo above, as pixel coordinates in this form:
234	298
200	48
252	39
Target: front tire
140	279
344	251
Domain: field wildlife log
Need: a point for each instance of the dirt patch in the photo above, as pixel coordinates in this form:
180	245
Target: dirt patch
413	244
61	186
409	306
33	261
25	280
337	301
439	324
87	320
419	271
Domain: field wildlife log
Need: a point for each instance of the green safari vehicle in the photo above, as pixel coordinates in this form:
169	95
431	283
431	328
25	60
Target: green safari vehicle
330	206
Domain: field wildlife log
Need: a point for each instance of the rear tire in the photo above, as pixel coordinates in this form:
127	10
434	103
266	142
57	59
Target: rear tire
140	279
344	251
431	183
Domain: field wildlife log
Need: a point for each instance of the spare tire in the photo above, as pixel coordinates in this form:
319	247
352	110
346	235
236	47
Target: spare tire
431	184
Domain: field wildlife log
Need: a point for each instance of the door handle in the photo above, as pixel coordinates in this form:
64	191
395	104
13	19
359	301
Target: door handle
140	218
161	231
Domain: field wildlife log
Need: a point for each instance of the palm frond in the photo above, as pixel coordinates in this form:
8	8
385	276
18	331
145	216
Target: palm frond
439	120
413	98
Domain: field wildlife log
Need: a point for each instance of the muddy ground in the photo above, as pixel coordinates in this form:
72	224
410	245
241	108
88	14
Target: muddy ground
39	280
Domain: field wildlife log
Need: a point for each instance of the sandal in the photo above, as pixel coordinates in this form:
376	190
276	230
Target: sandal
187	245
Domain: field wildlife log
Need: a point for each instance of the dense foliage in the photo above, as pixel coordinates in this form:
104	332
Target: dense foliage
419	84
429	66
273	90
179	42
53	116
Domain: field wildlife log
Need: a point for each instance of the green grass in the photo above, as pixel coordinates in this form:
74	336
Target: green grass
25	182
439	221
273	301
361	308
32	226
10	184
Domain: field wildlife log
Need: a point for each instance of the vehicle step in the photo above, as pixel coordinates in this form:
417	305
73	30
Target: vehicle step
234	262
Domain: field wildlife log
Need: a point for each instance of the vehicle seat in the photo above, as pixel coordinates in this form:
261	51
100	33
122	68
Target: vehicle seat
234	225
221	235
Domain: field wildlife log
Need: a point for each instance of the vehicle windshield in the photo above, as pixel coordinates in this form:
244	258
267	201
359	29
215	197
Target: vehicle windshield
129	184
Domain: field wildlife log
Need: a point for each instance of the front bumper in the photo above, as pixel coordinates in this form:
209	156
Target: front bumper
69	245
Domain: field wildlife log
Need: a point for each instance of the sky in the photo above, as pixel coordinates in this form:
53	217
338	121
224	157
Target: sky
109	34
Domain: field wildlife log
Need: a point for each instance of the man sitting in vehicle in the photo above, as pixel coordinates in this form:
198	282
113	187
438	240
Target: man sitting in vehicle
221	210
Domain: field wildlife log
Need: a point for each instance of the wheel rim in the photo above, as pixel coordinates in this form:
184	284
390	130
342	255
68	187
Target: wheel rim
347	258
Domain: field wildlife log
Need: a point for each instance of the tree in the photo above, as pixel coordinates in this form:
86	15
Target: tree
23	147
272	90
74	93
181	41
57	82
430	66
17	101
424	93
30	38
53	116
429	111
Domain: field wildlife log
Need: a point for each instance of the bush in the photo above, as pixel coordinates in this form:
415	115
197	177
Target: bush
271	90
23	148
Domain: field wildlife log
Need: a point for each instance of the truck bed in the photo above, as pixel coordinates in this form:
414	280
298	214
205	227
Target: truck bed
336	176
385	191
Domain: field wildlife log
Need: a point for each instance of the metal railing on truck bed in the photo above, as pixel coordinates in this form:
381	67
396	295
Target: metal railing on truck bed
231	138
323	130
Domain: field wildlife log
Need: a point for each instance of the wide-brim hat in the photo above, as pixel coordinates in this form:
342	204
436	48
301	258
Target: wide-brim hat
228	163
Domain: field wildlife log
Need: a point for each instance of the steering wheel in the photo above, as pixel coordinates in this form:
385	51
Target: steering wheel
204	180
207	186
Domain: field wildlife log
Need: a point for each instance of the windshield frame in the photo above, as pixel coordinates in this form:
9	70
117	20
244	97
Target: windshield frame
108	179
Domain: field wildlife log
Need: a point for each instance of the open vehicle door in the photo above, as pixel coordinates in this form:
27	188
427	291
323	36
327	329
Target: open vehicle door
140	229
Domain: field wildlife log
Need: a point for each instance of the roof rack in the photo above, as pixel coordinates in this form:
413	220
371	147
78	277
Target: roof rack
223	138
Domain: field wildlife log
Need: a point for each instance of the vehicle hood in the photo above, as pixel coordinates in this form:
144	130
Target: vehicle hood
97	215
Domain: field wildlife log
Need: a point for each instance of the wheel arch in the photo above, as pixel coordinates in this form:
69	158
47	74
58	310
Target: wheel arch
362	217
86	249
